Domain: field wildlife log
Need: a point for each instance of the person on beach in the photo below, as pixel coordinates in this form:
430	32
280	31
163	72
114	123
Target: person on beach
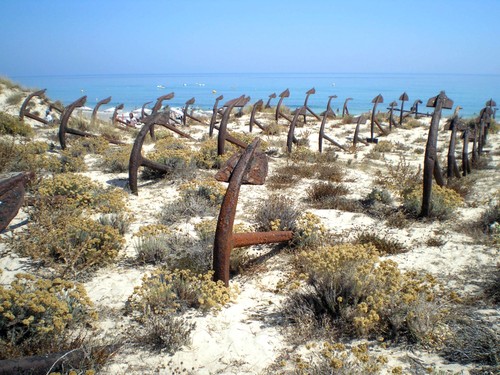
132	121
48	116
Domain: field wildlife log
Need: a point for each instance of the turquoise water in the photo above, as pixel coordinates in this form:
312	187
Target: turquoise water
467	90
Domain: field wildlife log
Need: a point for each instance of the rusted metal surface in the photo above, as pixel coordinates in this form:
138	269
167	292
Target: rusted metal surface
345	110
329	111
114	118
453	125
256	174
96	108
143	111
466	168
271	97
215	113
137	160
256	107
189	115
278	113
431	165
222	136
391	114
305	108
156	108
356	138
322	134
12	190
376	100
291	130
63	126
225	240
24	111
403	98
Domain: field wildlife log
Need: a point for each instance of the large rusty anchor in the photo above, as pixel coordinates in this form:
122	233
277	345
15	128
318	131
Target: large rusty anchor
454	124
404	98
357	138
278	113
271	97
305	108
431	164
12	190
187	114
373	119
63	126
143	111
114	116
391	115
156	108
93	118
322	134
256	107
223	133
329	111
136	159
216	111
345	110
24	111
225	239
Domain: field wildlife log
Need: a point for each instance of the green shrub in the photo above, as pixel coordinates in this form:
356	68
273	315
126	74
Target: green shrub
383	244
177	161
384	146
325	191
278	212
11	125
166	292
364	296
27	157
116	159
36	313
59	236
206	157
443	202
401	178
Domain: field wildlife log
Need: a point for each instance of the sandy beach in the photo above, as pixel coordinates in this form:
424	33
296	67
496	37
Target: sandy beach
252	333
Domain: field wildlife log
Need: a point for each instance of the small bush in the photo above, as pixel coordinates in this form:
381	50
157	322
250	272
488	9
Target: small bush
401	178
330	172
278	212
384	146
347	119
380	195
383	244
11	125
28	157
309	231
60	237
119	221
166	332
207	157
411	123
323	191
15	98
116	159
165	292
443	202
36	313
361	295
177	161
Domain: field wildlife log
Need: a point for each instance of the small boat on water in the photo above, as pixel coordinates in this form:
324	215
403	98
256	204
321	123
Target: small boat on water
160	86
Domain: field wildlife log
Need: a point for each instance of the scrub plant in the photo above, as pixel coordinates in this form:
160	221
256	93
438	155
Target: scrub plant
11	125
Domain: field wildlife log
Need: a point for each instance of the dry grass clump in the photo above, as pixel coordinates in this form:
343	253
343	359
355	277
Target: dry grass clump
349	287
411	123
206	157
347	119
27	157
91	145
116	159
443	202
15	98
383	244
278	212
330	172
11	125
38	315
61	237
306	155
329	195
198	198
401	178
119	221
173	154
384	146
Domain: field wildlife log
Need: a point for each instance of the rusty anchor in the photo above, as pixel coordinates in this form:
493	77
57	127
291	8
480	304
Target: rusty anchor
404	98
271	97
454	124
156	109
216	111
187	114
223	133
225	239
329	111
114	117
256	107
24	111
136	159
373	120
356	138
305	108
63	125
391	115
278	113
96	109
431	164
322	134
12	191
345	110
143	111
466	165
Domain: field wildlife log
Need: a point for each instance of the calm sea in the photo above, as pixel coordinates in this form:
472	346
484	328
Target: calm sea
467	90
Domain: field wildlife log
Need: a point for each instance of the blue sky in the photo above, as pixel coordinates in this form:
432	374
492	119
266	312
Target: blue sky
46	37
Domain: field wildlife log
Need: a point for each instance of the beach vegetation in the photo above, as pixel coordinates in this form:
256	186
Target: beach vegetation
178	162
347	119
15	98
206	157
116	159
277	212
328	195
27	157
9	84
401	178
381	241
37	315
411	123
11	125
119	221
349	288
384	146
443	202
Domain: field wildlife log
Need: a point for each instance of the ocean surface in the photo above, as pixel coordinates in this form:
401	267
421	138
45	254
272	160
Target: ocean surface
470	91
